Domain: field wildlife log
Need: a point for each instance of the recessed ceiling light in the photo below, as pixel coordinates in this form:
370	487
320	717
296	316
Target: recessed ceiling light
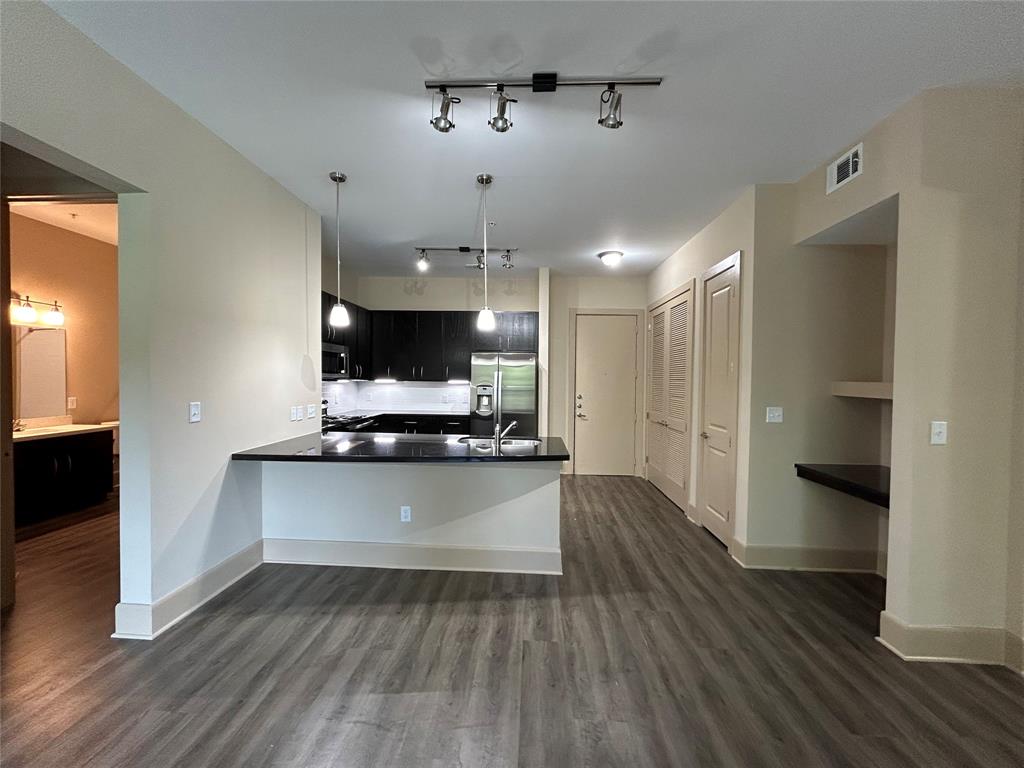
610	258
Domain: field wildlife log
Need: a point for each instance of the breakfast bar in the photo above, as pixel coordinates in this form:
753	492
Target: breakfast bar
438	502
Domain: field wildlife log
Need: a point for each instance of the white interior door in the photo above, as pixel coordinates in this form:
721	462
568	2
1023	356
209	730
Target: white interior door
670	333
604	402
716	493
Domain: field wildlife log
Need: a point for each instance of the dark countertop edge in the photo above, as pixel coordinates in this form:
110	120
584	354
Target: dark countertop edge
341	459
868	493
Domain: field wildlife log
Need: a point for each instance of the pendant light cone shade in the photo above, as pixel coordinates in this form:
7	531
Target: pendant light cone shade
23	312
339	313
339	316
613	118
485	320
54	316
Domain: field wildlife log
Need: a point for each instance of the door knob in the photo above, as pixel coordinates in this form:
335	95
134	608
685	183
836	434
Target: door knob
581	415
705	435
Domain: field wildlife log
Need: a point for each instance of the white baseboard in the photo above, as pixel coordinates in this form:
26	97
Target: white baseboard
968	645
138	621
804	558
1015	652
368	554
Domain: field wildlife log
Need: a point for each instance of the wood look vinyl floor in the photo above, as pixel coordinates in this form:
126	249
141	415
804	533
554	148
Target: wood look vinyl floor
654	649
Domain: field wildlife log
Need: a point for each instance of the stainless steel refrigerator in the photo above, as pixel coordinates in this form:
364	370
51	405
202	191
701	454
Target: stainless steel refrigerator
504	382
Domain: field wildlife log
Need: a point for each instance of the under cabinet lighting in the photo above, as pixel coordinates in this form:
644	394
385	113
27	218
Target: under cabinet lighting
384	439
458	381
385	381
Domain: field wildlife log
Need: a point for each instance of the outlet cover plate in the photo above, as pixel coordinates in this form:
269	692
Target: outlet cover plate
773	414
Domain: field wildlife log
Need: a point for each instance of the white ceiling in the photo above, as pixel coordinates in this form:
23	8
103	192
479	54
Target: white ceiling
95	220
753	93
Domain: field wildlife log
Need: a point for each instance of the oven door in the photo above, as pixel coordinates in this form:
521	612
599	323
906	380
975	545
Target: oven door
333	362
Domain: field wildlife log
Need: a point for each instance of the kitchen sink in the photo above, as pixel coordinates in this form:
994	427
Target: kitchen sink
507	444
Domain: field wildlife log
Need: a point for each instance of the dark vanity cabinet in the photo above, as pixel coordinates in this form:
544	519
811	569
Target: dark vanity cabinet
57	475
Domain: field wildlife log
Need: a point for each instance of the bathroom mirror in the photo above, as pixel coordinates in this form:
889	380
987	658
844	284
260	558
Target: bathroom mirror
40	372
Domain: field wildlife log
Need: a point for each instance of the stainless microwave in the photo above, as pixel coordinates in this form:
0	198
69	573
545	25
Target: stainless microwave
334	362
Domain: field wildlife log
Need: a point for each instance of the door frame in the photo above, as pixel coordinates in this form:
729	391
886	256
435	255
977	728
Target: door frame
639	431
689	285
733	260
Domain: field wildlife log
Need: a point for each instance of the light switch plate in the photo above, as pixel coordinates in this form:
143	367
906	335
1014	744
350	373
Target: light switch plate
292	416
310	411
939	433
72	403
406	514
298	413
195	412
773	414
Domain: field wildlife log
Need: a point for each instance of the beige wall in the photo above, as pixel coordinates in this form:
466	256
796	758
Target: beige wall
505	292
568	292
954	157
731	231
1015	537
218	272
818	317
50	263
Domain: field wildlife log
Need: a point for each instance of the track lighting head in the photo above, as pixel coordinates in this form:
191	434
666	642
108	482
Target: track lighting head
501	121
444	121
613	117
423	262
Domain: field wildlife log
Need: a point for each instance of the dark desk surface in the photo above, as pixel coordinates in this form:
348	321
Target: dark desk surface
865	481
380	447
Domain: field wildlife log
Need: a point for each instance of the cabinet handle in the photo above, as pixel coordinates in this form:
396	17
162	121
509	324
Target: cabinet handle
446	372
68	457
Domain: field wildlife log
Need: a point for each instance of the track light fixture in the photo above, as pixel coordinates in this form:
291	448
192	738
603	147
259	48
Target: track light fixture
444	121
502	119
423	262
613	117
609	110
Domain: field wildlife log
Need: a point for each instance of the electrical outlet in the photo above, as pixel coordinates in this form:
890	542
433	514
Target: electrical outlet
773	414
72	403
310	411
406	513
195	412
940	433
292	416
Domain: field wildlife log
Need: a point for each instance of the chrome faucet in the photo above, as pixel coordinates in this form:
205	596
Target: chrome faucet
498	433
507	429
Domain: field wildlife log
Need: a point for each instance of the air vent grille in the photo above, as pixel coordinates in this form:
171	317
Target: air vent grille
848	167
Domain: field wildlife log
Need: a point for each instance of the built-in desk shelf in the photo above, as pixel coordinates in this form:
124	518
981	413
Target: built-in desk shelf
871	390
865	481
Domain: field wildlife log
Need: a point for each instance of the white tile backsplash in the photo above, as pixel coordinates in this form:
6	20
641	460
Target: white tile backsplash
402	397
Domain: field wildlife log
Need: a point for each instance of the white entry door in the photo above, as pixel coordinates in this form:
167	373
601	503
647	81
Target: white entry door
670	333
604	402
716	493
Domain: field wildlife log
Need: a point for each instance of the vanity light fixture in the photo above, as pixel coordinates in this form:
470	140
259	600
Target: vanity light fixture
53	316
610	258
423	262
444	121
339	313
485	321
22	311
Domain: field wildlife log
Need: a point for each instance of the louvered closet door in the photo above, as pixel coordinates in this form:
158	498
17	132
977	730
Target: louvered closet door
670	392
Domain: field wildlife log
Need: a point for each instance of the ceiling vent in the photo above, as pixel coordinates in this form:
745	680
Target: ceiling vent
849	166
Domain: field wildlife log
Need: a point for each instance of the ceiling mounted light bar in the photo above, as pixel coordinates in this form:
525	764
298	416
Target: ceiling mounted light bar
543	82
458	249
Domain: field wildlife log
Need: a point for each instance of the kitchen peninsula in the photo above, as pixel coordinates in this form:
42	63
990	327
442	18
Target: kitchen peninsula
438	502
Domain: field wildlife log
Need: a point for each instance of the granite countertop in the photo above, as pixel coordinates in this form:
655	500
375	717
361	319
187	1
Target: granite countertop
380	447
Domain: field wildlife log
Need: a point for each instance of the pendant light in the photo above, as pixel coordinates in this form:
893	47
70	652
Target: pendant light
339	313
485	320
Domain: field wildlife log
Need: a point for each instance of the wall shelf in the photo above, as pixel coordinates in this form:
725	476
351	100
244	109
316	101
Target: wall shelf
872	390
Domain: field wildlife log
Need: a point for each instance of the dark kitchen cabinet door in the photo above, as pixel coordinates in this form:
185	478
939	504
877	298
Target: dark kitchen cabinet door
518	331
383	344
458	344
428	348
326	331
364	343
485	341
